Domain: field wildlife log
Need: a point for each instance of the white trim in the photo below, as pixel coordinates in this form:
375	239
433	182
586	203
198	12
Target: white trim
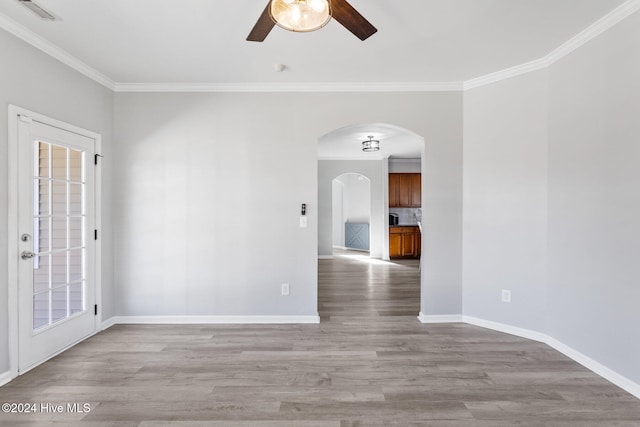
508	73
620	13
603	24
292	87
97	223
596	367
5	377
54	51
507	329
440	318
53	122
325	256
12	236
108	323
189	320
606	373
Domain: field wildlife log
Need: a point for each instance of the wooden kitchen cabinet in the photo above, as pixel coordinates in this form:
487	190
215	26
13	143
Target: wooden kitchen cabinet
404	242
405	190
395	245
416	190
394	188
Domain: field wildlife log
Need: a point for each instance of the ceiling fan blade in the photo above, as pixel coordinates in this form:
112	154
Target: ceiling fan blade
351	19
263	27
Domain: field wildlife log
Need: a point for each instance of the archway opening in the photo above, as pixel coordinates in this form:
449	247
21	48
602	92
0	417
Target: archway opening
341	161
351	212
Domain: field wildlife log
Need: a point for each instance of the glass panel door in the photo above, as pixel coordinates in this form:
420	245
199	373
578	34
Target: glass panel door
59	273
56	286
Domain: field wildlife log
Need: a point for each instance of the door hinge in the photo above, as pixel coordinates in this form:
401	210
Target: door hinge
95	158
95	310
95	234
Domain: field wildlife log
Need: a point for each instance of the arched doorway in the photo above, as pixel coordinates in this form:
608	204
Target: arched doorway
351	212
340	152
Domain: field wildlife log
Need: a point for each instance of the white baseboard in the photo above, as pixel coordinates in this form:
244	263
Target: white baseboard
108	323
191	320
442	318
325	256
594	366
5	377
606	373
507	329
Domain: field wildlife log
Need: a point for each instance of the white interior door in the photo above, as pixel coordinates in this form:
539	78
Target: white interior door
56	219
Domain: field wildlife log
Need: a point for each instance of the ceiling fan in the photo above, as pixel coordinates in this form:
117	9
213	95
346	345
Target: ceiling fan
309	15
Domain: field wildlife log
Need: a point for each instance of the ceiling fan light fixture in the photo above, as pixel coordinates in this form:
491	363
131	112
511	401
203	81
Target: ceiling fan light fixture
371	145
300	15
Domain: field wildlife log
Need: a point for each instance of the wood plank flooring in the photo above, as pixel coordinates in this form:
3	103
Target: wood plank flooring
369	363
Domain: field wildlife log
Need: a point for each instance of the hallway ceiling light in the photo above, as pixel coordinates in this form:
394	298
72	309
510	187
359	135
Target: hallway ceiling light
371	145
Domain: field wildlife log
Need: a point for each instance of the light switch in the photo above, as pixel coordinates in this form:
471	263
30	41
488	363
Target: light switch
303	222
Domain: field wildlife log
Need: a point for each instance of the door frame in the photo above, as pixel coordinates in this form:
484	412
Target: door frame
13	231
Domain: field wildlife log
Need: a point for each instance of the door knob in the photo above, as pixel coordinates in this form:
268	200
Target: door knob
27	255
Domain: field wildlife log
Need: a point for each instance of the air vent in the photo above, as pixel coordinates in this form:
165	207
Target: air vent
38	10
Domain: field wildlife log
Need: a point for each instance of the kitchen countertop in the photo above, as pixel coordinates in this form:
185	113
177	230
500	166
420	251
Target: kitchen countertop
419	225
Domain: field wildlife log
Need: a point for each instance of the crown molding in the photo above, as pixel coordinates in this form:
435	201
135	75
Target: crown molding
291	87
614	17
508	73
603	24
54	51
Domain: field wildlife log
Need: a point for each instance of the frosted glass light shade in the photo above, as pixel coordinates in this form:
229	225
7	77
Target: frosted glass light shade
300	15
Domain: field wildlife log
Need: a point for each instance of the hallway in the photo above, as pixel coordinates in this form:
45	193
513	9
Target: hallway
354	285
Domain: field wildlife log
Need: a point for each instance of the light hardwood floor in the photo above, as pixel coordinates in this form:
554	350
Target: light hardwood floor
369	363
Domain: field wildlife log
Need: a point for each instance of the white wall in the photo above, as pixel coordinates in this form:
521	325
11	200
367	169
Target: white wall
207	207
350	202
505	201
594	199
208	197
35	81
337	208
551	184
357	198
405	166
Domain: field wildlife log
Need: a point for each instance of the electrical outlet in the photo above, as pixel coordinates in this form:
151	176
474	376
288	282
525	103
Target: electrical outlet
285	289
506	295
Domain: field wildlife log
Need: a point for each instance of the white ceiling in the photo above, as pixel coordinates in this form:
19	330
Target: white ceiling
203	41
346	143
